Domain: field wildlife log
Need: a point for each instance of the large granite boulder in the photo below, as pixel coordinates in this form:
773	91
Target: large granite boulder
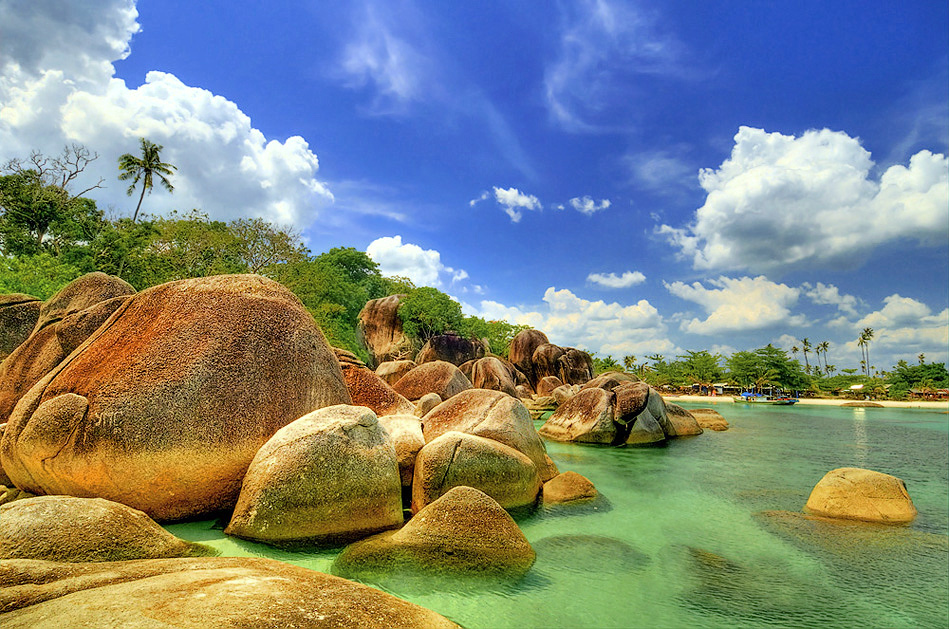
682	421
379	331
392	370
329	477
66	528
369	390
463	534
405	432
164	406
491	373
426	403
18	316
548	384
455	459
631	399
81	293
586	417
609	380
493	415
568	488
576	367
207	592
852	493
709	418
645	430
521	351
439	377
451	348
546	361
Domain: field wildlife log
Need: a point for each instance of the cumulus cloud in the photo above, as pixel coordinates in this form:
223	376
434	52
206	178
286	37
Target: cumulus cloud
612	280
828	294
588	206
904	328
783	202
737	305
513	201
57	87
423	266
597	326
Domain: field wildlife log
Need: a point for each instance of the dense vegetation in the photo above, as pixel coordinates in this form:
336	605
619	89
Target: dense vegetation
50	236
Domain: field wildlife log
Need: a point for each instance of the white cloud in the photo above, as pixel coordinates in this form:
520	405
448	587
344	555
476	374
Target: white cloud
662	171
588	206
597	326
828	294
513	201
738	305
783	202
56	87
612	280
904	328
423	266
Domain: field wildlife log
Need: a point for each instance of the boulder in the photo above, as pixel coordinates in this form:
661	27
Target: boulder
709	418
540	407
328	477
426	403
524	391
631	399
79	294
546	362
548	384
568	487
645	430
564	392
18	316
852	493
77	326
683	423
493	415
609	380
347	359
463	534
66	528
392	370
9	493
164	406
451	348
438	377
369	390
521	351
379	330
405	432
657	408
199	593
586	417
455	459
490	373
576	367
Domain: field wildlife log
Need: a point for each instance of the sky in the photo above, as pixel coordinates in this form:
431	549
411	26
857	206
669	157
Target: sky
632	178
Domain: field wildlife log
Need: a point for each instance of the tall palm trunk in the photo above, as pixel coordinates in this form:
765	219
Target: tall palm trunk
139	206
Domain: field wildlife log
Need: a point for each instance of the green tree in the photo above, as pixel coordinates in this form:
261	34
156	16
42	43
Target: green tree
426	312
864	342
497	333
701	367
146	169
603	365
40	275
822	348
261	246
806	347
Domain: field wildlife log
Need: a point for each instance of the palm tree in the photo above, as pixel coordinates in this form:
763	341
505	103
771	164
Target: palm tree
145	169
822	348
806	347
865	337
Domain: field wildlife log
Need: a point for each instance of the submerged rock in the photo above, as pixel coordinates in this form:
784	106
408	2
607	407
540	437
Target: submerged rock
568	487
709	418
682	421
857	494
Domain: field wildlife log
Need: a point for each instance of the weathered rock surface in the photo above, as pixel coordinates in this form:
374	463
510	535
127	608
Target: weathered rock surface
10	493
451	348
609	380
493	415
683	423
490	373
455	459
548	384
369	390
392	370
564	392
200	593
586	417
405	432
379	330
576	367
438	377
328	477
79	294
709	418
465	533
645	430
426	403
631	399
568	487
521	351
853	493
18	316
546	362
65	528
164	407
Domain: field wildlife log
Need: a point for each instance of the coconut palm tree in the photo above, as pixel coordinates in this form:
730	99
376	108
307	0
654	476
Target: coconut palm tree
145	169
822	348
865	337
806	347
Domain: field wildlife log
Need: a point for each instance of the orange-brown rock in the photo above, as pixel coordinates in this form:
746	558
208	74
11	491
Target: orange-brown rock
438	377
379	330
709	418
405	432
328	477
683	423
546	362
392	370
586	417
548	384
576	367
81	293
631	398
455	459
463	534
564	392
198	593
852	493
568	487
369	390
521	351
426	403
165	405
490	373
18	316
609	380
493	415
451	348
524	391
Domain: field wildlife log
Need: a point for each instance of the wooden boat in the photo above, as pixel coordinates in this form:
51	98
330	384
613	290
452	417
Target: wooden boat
760	398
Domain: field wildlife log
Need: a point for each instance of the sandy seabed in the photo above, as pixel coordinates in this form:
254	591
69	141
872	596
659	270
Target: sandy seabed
724	399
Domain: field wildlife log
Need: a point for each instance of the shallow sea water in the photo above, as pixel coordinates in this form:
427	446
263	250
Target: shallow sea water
706	532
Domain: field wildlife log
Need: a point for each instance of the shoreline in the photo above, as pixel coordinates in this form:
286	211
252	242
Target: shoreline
725	399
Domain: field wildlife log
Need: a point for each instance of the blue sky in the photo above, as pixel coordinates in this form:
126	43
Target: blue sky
630	177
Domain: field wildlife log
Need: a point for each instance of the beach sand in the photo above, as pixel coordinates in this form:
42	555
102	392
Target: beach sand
724	399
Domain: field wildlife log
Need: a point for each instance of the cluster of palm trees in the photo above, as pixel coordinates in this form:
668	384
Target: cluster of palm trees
863	341
820	348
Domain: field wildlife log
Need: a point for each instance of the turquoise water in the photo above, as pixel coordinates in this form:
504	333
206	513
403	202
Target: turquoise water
706	532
